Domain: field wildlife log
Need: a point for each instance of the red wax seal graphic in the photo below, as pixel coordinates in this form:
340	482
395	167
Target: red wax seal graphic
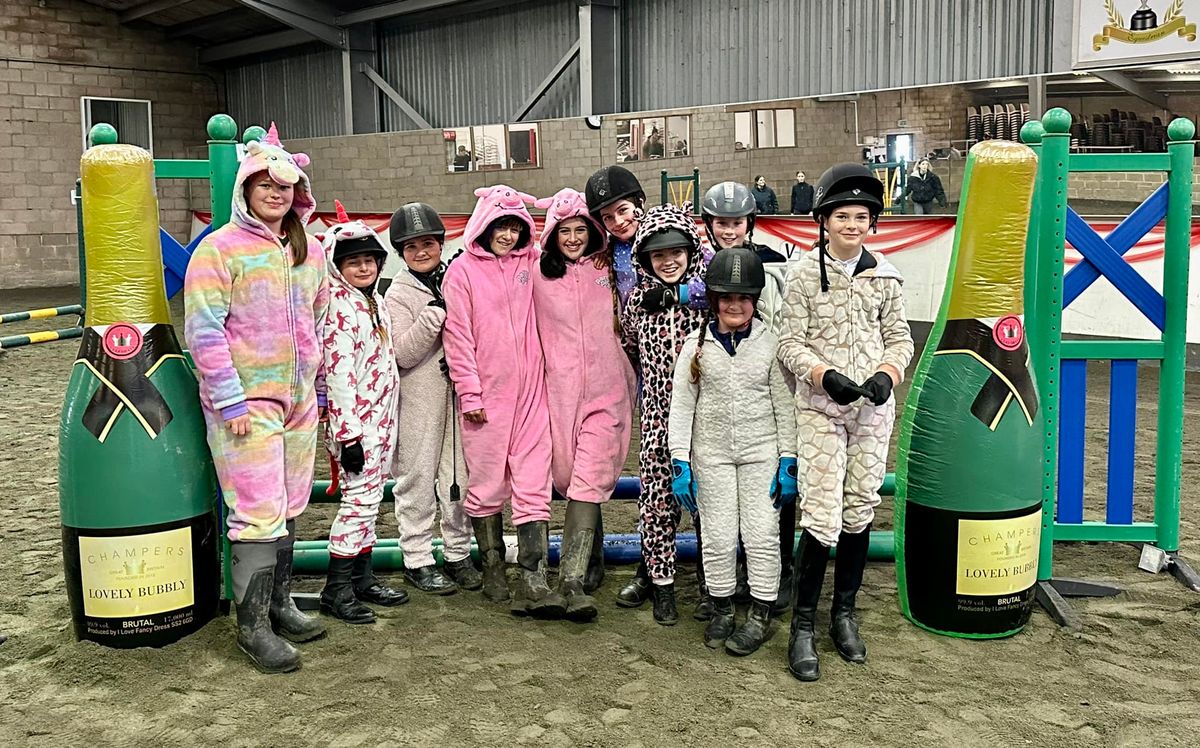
1009	333
122	341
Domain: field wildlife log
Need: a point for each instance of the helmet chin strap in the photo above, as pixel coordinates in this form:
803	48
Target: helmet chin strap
821	249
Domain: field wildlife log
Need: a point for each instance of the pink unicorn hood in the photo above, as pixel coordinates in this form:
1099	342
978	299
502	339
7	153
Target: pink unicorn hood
497	202
564	205
285	168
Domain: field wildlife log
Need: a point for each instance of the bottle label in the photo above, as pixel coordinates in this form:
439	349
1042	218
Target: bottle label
998	556
136	575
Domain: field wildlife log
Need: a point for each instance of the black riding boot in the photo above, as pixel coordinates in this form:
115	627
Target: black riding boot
338	598
253	581
286	618
534	596
489	535
721	624
665	613
368	589
637	591
704	602
579	531
847	579
751	634
808	578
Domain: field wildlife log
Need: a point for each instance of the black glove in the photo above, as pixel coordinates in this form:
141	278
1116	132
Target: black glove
878	388
841	388
445	367
438	302
660	298
352	457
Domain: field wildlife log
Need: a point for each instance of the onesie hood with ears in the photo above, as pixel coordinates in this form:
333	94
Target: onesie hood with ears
285	168
563	206
669	217
497	202
346	238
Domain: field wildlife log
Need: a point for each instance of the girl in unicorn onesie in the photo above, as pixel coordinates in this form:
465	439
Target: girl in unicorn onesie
495	360
255	295
590	385
360	370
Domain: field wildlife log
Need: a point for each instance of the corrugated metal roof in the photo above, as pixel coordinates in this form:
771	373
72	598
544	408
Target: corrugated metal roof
300	88
479	68
696	52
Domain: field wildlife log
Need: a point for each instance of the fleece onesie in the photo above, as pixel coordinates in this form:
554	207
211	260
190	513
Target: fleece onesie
733	426
496	364
856	327
253	325
360	372
590	383
429	457
653	340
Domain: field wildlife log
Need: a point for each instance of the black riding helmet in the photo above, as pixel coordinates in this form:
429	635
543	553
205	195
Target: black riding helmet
610	184
737	270
413	220
728	200
844	184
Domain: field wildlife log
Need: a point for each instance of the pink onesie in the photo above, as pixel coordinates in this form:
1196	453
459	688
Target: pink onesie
495	359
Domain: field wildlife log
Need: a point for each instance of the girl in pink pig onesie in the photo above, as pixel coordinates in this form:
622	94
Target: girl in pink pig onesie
495	359
360	372
591	397
254	299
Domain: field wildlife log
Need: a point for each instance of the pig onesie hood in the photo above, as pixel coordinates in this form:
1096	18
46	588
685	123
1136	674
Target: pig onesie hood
495	360
590	383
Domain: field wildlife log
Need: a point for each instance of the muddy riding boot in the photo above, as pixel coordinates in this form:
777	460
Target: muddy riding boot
253	581
751	634
637	591
847	579
579	530
704	602
489	536
787	554
430	579
369	589
286	618
338	598
741	593
594	576
720	625
463	573
808	578
534	595
665	612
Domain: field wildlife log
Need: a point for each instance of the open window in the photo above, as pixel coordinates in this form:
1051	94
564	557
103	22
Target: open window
651	138
493	147
764	128
130	117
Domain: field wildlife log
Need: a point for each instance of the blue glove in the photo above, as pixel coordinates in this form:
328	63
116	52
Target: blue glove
683	485
783	485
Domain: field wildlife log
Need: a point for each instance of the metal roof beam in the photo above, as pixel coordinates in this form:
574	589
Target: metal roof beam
204	24
313	17
145	9
391	10
555	73
253	45
396	98
1129	85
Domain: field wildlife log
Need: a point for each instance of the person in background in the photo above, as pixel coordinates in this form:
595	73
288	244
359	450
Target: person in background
802	196
923	188
462	159
764	197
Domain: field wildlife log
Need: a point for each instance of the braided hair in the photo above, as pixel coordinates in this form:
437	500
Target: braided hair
709	313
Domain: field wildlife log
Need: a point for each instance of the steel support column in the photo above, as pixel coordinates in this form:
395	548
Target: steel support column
600	57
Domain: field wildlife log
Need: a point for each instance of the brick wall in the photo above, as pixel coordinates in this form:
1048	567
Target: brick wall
53	52
378	172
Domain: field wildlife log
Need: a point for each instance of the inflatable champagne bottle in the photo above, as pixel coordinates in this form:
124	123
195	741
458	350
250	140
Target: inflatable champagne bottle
968	480
136	482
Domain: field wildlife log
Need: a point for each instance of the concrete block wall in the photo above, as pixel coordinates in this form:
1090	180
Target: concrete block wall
52	52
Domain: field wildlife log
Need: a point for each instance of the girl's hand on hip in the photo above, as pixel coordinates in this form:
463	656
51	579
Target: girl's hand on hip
476	416
240	426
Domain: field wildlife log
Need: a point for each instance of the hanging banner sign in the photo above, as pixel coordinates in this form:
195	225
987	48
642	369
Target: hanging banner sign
1119	32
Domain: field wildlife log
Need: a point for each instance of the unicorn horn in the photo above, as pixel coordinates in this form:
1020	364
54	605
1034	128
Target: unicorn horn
272	137
341	212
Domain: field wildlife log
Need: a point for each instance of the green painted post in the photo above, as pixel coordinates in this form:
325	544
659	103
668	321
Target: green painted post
222	165
1046	332
1168	465
696	195
663	192
1031	135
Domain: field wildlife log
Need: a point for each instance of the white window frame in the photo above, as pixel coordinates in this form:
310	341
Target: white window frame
638	128
473	135
85	111
752	143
